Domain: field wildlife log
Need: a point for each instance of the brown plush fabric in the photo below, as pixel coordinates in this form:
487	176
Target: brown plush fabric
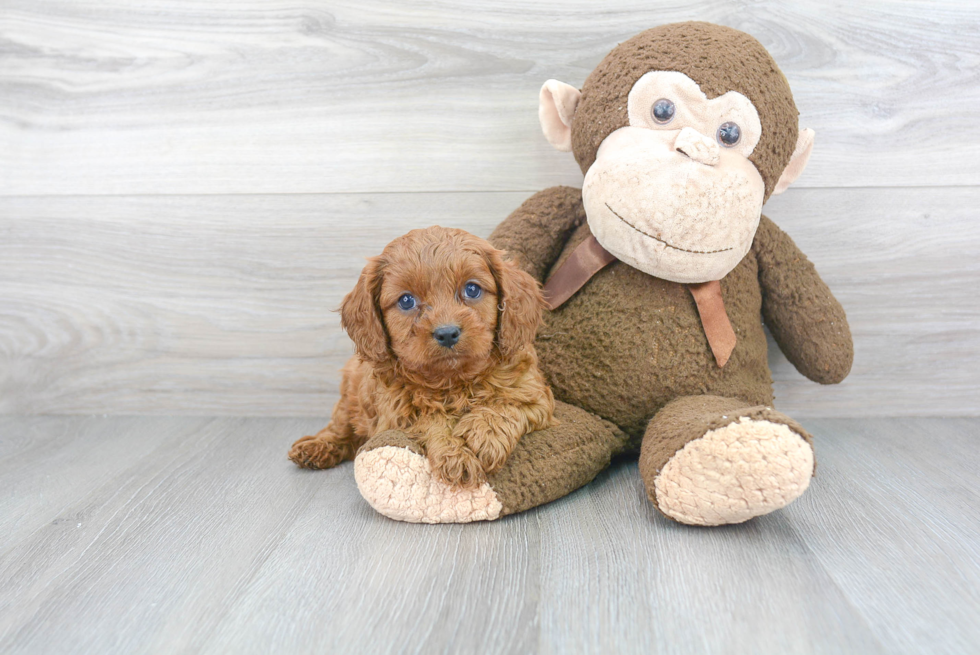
546	464
395	438
549	217
627	343
588	259
552	463
804	317
719	59
689	418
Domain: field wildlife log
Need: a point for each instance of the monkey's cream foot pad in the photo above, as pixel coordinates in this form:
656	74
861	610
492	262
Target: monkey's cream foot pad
399	484
734	473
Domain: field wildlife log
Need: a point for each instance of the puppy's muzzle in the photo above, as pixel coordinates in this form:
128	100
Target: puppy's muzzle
446	335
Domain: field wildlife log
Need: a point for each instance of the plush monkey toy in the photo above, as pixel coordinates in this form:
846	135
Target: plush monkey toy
660	272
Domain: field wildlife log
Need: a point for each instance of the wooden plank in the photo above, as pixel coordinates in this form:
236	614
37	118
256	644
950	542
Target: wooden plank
622	578
47	463
193	305
892	516
904	265
173	550
347	580
153	551
222	304
203	538
277	96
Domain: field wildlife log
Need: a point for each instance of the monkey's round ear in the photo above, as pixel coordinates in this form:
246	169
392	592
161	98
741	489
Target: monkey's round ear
556	106
801	155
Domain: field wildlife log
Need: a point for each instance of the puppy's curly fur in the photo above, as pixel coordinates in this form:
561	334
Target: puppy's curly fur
468	402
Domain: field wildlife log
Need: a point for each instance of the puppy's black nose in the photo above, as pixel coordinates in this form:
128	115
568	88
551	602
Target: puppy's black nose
446	335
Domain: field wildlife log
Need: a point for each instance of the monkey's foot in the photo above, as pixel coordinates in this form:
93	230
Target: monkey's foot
732	474
708	461
395	477
397	481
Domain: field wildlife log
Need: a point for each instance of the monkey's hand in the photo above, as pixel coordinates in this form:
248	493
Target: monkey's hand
806	320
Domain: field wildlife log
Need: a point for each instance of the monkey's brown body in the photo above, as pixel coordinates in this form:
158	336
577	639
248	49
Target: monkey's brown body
628	343
627	355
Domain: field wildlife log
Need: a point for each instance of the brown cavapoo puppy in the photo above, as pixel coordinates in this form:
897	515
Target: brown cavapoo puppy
443	330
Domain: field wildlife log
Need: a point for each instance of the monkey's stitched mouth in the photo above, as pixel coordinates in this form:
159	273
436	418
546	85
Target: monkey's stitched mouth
669	245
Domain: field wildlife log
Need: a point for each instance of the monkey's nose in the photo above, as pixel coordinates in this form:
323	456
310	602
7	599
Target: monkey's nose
698	147
446	335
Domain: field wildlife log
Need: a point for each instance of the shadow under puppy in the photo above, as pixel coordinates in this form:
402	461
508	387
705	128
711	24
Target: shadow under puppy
443	329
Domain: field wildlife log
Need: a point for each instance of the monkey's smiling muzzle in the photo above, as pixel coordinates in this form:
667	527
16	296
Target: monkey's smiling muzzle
673	204
669	245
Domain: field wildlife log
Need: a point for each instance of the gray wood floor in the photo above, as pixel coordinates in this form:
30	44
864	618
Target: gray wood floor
132	535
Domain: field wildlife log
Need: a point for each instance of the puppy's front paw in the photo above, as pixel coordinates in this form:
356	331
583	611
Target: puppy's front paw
457	466
490	443
314	452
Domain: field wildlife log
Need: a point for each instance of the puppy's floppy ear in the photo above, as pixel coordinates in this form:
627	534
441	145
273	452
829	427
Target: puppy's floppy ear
360	315
520	301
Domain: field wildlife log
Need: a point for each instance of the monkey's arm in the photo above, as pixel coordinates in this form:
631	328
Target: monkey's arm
804	317
536	232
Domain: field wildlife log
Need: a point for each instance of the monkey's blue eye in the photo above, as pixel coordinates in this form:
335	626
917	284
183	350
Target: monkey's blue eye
472	291
663	111
406	302
729	134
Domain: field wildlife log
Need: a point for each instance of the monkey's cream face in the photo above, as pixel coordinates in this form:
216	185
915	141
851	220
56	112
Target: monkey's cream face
674	193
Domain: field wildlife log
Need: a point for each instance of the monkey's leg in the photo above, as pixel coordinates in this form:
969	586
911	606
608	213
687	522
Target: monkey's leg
395	477
708	460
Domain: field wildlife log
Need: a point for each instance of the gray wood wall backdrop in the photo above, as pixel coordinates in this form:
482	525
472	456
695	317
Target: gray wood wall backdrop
188	188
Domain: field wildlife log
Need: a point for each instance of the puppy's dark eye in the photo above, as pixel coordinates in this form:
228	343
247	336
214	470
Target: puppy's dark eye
406	302
729	134
472	291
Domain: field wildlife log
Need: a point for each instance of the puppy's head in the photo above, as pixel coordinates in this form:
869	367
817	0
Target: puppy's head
444	303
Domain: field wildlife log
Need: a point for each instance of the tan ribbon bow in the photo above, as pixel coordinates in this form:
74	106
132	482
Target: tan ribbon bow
589	257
